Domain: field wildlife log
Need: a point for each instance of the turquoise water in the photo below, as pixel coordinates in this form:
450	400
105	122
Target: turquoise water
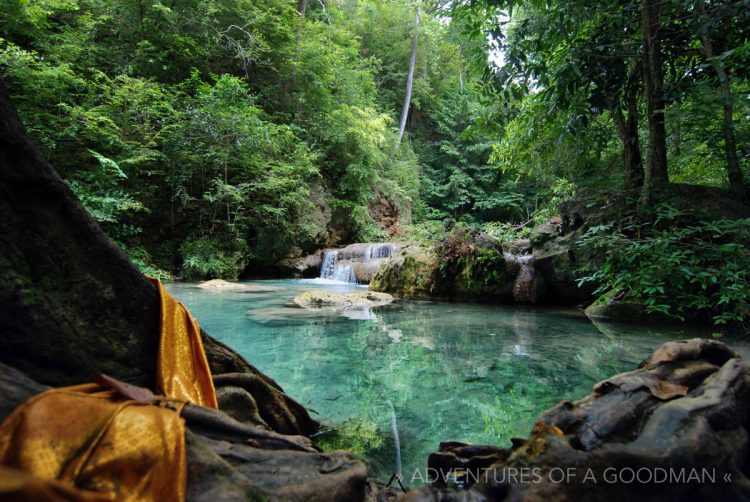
453	371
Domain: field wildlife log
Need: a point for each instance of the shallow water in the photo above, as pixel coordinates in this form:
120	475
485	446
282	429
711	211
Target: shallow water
453	371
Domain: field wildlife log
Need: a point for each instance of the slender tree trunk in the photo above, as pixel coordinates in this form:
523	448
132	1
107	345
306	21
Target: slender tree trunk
460	70
627	127
302	7
678	129
653	71
409	80
734	172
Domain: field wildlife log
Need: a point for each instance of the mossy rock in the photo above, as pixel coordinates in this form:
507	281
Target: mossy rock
321	299
610	308
411	275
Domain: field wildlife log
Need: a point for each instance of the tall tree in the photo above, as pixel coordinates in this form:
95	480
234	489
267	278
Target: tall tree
709	20
653	72
409	79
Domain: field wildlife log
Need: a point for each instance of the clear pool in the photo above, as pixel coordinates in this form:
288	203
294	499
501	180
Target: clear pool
457	371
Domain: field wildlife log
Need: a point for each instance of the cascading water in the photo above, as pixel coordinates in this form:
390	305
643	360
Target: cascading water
333	270
343	273
328	266
379	251
355	263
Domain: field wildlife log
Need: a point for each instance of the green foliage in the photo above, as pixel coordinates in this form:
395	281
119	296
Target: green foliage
213	258
506	232
359	435
675	266
142	259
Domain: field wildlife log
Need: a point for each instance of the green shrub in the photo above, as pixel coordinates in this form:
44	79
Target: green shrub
211	258
677	267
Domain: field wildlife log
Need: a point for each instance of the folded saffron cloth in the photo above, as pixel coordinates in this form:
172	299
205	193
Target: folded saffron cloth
90	443
182	371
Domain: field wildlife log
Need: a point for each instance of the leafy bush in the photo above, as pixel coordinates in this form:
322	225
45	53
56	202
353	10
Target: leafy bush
506	231
675	267
213	258
142	259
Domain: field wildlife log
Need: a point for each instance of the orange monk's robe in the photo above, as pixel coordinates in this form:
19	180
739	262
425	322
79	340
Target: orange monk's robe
98	445
85	443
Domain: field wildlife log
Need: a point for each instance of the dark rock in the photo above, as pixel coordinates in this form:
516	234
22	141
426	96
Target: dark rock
544	233
15	388
280	412
71	303
519	247
304	266
240	405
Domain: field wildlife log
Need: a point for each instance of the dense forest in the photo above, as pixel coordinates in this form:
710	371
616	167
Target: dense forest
213	138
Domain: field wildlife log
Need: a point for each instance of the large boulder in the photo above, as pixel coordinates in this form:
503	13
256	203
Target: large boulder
365	271
409	275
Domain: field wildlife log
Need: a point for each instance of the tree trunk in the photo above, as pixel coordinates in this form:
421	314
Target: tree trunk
302	7
409	80
653	71
678	128
734	172
627	128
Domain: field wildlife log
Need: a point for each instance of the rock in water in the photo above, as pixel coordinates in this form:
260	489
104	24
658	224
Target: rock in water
222	285
321	299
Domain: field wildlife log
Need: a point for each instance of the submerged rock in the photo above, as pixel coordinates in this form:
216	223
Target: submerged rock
222	285
321	299
677	428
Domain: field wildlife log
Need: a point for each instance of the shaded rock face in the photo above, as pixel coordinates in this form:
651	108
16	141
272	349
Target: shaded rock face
685	412
386	213
71	304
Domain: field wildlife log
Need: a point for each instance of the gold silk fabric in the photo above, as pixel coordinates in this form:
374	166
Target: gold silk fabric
86	444
182	371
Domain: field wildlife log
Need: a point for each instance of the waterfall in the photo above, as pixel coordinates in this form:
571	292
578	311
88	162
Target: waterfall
343	273
329	264
333	270
355	263
379	251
